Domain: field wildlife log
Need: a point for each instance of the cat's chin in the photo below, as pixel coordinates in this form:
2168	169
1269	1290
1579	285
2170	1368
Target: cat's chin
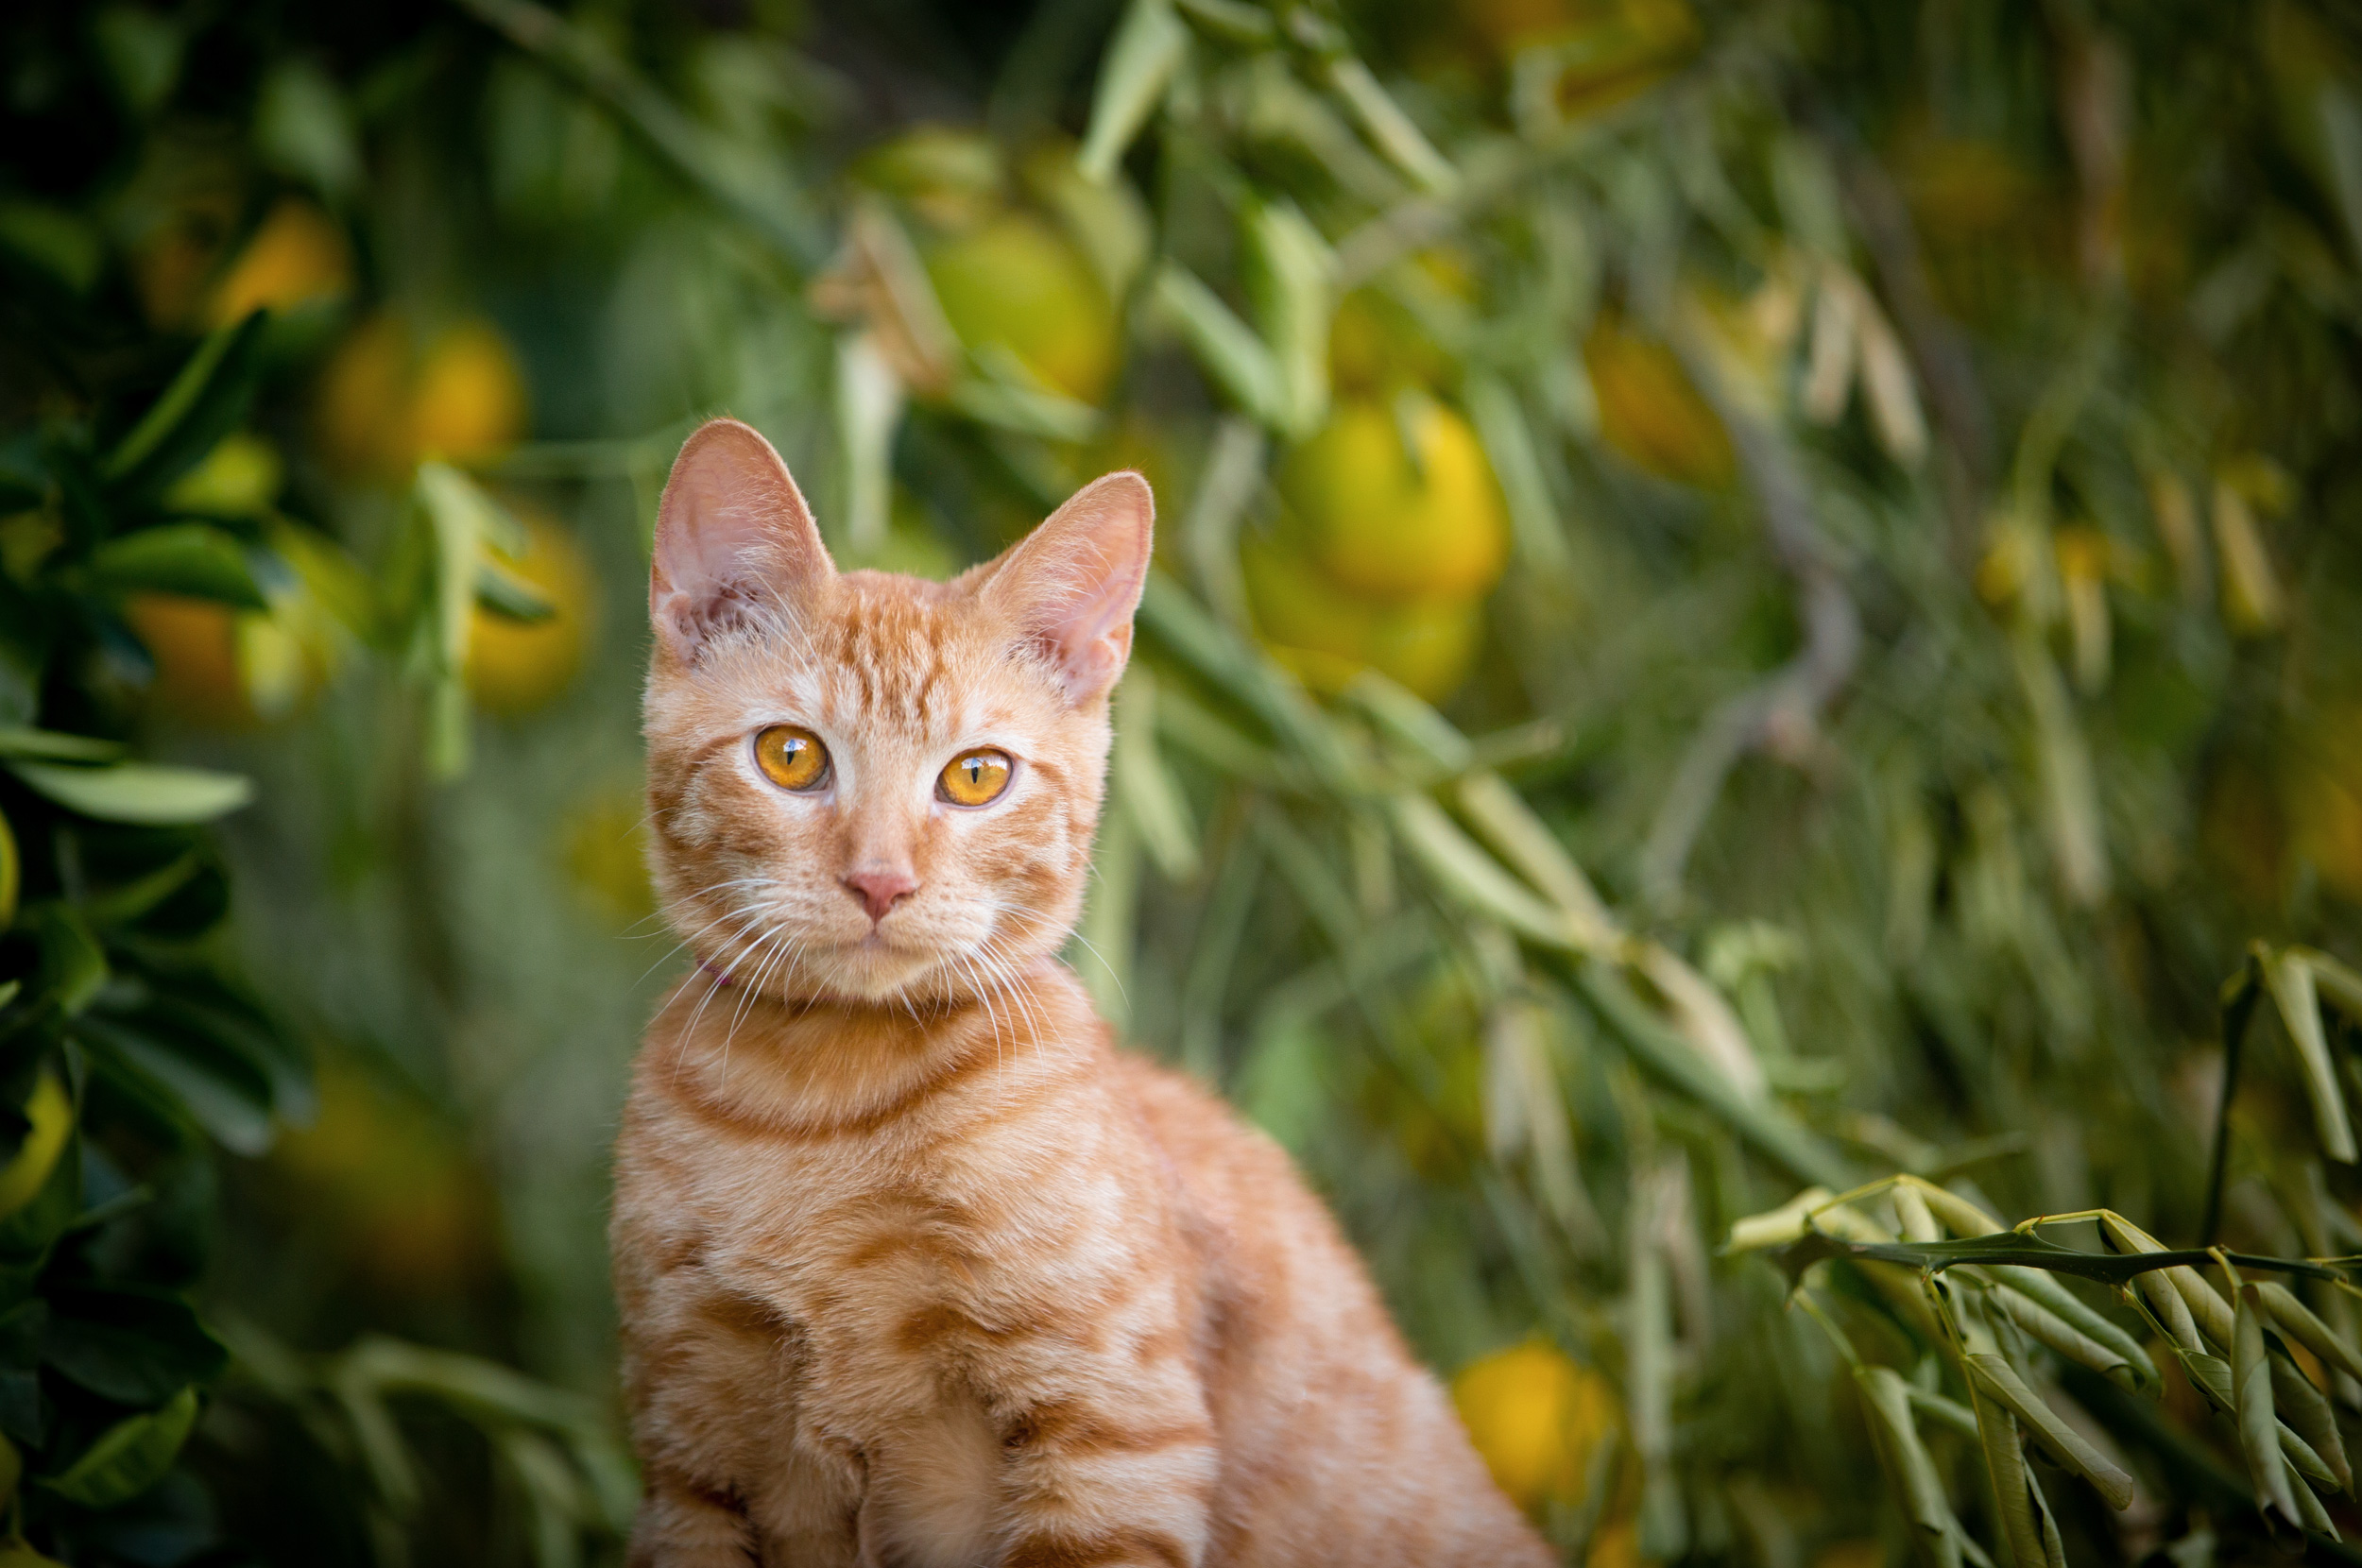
880	972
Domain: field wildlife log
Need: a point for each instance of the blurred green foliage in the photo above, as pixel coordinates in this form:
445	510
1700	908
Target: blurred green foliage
1749	596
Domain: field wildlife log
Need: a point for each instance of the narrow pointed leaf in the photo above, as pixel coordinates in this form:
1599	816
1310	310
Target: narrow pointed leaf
2062	1337
2290	980
1149	46
2004	1467
1910	1468
2062	1441
2071	1310
1964	1217
2251	1395
2302	1458
1236	360
2298	1323
150	793
2209	1313
2306	1412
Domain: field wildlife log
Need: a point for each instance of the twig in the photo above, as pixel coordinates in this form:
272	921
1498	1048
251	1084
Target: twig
2240	995
1783	711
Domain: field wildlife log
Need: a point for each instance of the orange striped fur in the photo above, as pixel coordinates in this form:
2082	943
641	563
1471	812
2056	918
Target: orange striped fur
918	1270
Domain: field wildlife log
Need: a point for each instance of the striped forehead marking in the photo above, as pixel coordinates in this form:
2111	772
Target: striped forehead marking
886	660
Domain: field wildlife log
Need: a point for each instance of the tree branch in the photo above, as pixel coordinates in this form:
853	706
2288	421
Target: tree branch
1781	713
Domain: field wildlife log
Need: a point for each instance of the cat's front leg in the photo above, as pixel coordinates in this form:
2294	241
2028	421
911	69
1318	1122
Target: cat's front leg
1110	1477
681	1524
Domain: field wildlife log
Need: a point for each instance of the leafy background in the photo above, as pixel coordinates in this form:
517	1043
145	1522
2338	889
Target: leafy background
1749	596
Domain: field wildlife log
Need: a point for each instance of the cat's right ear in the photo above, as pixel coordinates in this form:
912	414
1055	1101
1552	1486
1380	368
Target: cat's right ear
732	536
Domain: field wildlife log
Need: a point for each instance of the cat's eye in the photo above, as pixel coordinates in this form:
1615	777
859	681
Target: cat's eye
792	756
975	779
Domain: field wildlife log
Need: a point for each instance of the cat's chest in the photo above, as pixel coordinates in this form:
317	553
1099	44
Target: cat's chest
863	1244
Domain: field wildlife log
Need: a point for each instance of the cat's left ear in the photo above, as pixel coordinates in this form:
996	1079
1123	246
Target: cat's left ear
1073	582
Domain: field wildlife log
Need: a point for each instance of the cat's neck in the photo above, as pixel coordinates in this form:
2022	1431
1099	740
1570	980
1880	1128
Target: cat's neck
808	1064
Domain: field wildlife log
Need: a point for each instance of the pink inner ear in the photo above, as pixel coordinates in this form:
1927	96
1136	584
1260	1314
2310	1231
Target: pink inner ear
733	537
1074	582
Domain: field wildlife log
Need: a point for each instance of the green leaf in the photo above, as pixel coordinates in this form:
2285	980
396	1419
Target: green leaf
1668	1055
2005	1466
205	402
1238	361
149	794
1289	280
2297	1321
2071	1310
129	1457
1909	1467
2290	980
2064	1338
224	1091
507	595
302	128
1148	48
2259	1425
136	1347
2200	1301
2211	1376
16	741
2066	1445
73	965
191	558
1462	868
1146	784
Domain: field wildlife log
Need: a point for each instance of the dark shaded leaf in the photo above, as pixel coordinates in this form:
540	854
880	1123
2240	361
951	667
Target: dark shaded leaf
206	402
194	559
136	1347
130	1457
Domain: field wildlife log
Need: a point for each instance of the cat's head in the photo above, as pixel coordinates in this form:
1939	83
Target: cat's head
867	787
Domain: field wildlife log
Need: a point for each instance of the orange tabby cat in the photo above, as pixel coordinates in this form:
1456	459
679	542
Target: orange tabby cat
915	1268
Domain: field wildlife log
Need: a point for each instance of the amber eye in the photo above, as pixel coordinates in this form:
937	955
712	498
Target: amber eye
792	758
976	779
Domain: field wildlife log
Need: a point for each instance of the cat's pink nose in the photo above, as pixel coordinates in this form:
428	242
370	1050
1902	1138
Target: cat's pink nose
879	891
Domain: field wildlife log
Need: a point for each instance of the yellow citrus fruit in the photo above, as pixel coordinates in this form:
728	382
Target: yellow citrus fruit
2324	793
385	402
1536	1417
1617	1545
239	478
1328	635
225	668
392	1184
606	845
298	257
1014	283
193	642
1398	523
1650	411
516	666
363	400
51	1112
469	403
